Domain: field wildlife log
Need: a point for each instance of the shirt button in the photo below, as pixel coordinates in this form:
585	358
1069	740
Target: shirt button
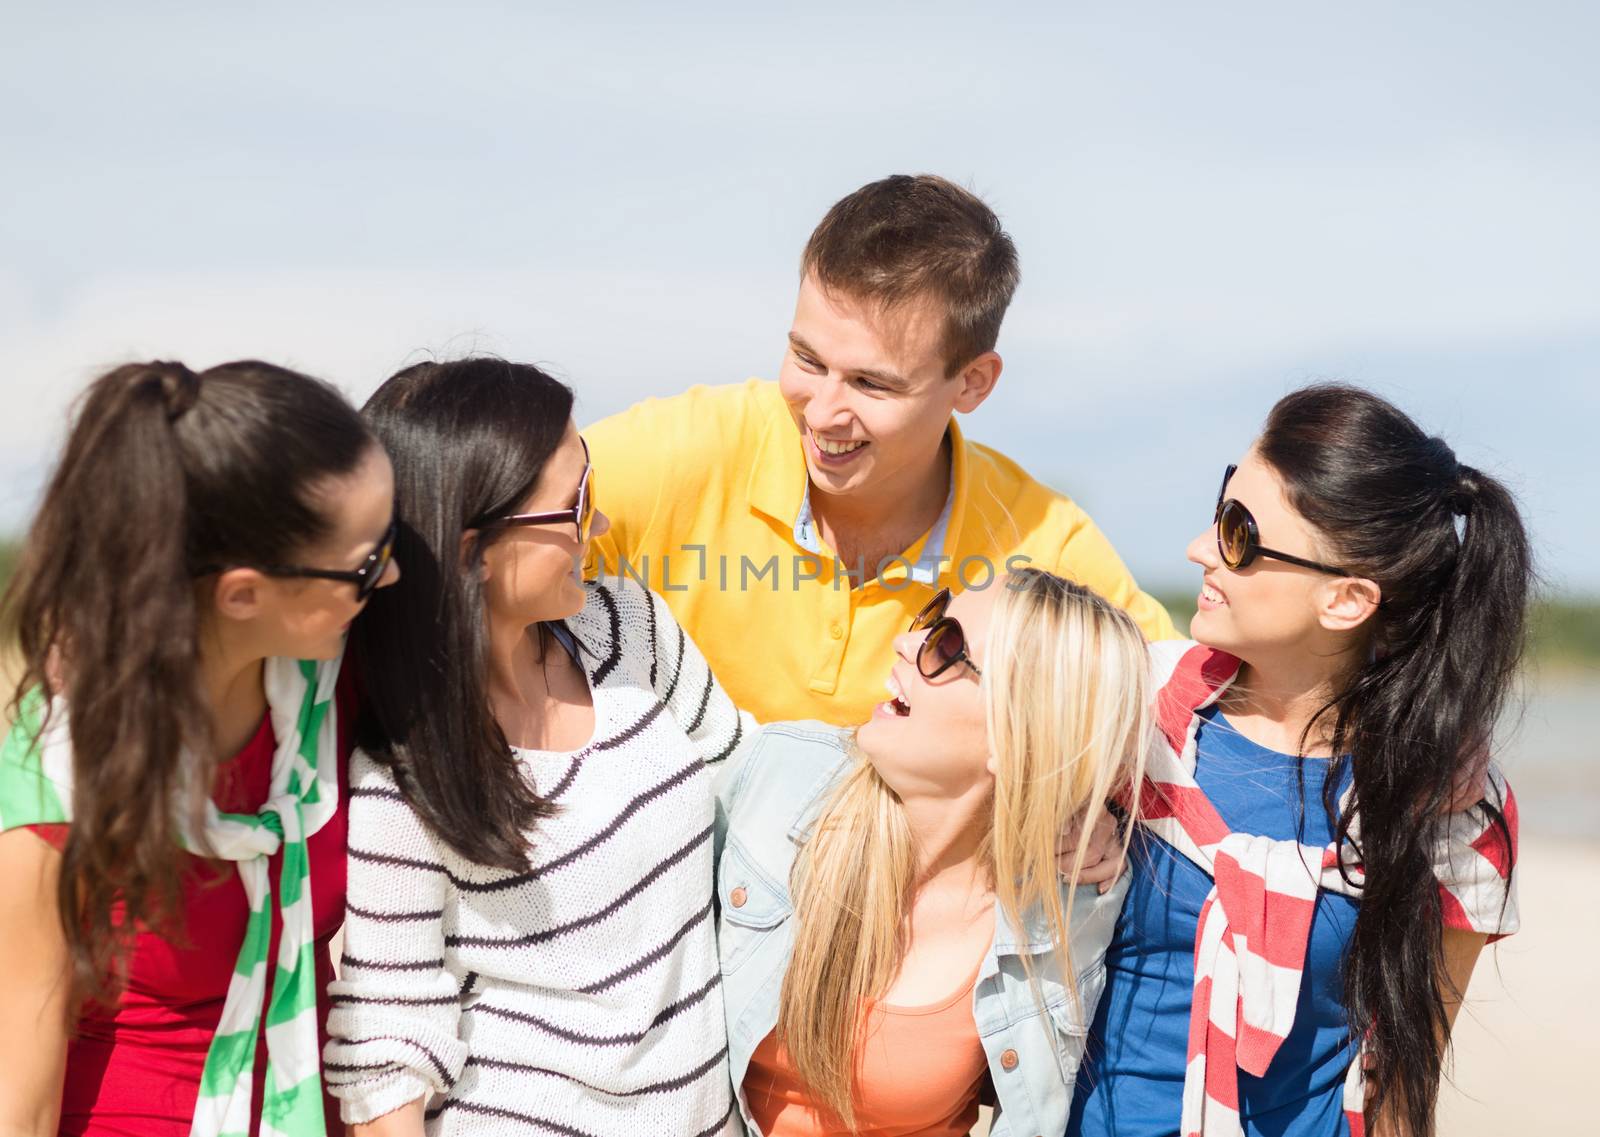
1008	1060
737	898
835	631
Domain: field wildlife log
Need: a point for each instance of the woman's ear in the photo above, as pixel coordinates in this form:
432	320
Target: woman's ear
1348	602
469	545
239	594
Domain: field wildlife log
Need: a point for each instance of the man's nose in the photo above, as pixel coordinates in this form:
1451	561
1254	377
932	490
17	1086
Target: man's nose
829	408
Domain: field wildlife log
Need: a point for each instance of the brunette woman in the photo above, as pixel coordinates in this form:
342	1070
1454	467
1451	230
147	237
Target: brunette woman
172	865
894	931
1325	849
531	942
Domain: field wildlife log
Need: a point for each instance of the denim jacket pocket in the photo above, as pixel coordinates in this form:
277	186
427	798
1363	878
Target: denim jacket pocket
1072	1016
750	907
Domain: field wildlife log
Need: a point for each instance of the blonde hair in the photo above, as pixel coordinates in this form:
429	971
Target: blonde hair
1066	696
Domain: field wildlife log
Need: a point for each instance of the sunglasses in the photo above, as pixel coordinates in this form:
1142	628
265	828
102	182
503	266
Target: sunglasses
945	645
365	578
580	515
1239	540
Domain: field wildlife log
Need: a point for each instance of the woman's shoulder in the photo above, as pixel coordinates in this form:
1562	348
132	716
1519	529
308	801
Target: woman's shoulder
1188	671
808	747
784	767
370	777
619	617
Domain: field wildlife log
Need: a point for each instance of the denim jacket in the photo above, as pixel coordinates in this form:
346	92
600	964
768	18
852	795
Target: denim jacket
768	797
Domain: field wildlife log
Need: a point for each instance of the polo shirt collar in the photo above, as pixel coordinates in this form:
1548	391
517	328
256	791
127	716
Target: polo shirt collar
778	478
780	487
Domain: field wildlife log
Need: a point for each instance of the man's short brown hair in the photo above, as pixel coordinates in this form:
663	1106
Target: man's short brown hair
895	241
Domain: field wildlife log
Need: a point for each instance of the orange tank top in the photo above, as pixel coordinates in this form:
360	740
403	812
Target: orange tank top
919	1074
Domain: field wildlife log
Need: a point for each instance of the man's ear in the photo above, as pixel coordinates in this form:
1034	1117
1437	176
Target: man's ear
977	380
1348	602
239	594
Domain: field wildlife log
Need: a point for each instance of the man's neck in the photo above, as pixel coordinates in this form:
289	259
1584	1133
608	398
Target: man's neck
885	522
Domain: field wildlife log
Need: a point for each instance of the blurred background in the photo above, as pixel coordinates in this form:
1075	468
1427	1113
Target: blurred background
1213	204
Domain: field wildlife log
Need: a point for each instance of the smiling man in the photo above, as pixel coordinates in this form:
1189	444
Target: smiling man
796	527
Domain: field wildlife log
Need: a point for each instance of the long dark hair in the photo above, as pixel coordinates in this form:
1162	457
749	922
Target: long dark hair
469	440
1447	548
164	472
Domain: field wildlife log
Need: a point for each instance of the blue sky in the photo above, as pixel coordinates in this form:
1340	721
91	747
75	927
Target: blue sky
1212	203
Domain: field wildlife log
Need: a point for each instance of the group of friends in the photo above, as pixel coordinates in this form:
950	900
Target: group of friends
768	759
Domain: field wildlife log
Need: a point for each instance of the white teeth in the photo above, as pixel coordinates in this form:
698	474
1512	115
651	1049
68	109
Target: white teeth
837	448
1212	594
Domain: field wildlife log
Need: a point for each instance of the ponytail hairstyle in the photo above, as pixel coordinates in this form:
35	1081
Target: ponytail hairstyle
468	440
1065	691
164	472
1448	550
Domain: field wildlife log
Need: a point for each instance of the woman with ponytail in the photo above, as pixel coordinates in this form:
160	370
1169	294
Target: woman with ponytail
895	934
171	791
1324	848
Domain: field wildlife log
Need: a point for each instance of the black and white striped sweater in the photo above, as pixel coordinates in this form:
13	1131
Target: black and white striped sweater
583	997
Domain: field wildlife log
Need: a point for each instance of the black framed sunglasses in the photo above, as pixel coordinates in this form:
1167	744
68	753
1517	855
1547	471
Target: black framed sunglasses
1239	540
945	645
580	515
365	577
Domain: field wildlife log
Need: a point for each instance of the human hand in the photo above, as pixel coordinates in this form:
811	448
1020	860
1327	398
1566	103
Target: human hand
1102	859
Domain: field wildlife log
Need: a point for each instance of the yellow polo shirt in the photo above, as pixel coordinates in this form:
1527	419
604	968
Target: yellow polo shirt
709	502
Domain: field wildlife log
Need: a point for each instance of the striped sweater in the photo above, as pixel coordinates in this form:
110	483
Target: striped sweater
582	997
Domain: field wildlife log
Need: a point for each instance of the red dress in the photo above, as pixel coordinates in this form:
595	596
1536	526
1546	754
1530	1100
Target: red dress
135	1069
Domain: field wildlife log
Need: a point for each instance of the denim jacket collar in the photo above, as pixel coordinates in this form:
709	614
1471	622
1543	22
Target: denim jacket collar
809	806
1033	938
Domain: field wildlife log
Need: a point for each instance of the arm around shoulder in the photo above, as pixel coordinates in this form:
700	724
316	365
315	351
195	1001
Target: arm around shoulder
392	1031
35	996
654	464
687	686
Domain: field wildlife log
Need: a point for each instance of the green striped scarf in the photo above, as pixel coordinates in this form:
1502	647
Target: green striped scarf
36	788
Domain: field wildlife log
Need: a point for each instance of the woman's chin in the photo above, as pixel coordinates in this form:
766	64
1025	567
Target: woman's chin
560	602
883	733
322	648
868	734
1209	628
573	596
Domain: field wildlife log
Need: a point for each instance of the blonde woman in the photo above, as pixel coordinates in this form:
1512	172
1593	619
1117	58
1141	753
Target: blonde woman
894	930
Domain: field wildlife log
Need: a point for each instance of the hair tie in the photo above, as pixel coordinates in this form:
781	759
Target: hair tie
1454	478
180	387
1465	491
1444	460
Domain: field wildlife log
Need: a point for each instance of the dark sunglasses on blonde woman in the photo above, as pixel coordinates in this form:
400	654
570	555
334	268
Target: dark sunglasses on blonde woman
945	645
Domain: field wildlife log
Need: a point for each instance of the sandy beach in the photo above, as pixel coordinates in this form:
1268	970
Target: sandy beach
1526	1042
